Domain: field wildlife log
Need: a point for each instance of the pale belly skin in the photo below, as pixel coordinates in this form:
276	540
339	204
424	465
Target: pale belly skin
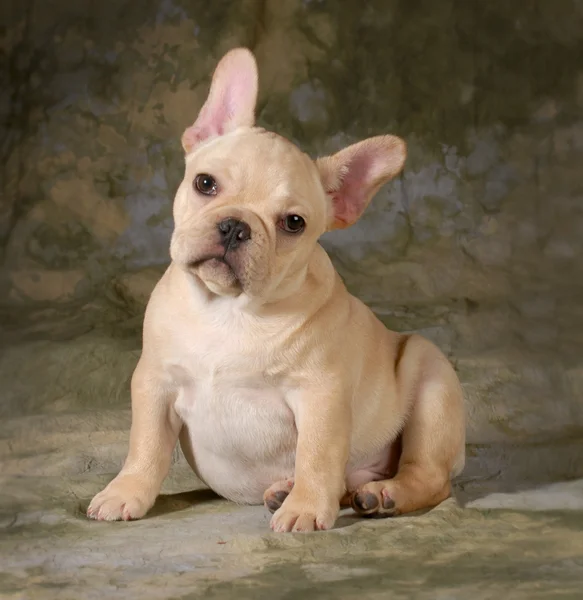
240	440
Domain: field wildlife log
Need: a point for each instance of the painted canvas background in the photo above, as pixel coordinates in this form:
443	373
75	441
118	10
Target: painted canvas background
477	245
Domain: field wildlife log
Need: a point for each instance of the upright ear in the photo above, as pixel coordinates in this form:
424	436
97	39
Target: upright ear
354	175
231	100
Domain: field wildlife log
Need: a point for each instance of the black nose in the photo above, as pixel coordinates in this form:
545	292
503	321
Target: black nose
233	233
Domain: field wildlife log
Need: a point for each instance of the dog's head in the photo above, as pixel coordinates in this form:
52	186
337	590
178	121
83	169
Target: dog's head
252	206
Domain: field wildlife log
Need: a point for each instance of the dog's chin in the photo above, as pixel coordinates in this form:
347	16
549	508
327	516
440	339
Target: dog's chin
217	275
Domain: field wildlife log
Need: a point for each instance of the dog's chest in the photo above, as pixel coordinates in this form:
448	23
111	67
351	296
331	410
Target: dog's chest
239	433
234	413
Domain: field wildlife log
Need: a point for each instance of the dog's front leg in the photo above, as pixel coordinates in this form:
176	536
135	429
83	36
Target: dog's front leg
153	436
323	420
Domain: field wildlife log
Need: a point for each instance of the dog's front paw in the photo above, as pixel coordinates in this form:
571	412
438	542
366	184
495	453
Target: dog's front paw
298	514
126	498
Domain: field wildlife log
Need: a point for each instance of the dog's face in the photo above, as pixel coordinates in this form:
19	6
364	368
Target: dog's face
248	213
252	206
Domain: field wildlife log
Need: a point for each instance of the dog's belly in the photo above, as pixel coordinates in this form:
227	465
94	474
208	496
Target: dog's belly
238	438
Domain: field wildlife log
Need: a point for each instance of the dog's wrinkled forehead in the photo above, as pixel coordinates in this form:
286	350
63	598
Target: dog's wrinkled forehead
252	165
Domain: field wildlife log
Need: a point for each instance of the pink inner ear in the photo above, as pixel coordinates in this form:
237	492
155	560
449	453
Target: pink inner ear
211	122
344	213
196	134
352	176
222	108
231	101
351	198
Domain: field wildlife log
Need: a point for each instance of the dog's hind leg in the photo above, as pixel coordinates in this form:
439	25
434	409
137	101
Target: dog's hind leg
274	495
433	438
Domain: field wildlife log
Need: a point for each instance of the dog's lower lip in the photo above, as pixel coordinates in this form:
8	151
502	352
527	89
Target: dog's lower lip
196	263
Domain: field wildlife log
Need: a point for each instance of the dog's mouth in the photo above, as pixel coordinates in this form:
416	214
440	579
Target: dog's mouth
216	259
216	263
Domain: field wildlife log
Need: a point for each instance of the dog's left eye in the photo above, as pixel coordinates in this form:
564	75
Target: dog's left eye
292	224
205	184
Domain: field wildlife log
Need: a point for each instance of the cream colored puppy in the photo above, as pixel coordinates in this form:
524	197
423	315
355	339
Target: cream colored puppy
280	385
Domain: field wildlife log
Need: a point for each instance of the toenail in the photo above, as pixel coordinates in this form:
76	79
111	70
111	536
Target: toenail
366	501
388	502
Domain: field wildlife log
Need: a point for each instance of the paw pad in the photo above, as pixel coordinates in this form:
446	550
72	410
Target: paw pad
368	504
388	502
365	502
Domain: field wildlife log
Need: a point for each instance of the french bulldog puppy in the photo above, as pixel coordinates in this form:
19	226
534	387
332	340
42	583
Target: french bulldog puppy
281	386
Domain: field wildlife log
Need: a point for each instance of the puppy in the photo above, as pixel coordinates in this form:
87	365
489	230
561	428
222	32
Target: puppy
281	387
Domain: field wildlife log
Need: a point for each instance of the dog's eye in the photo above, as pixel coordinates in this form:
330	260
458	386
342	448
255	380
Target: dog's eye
205	184
292	224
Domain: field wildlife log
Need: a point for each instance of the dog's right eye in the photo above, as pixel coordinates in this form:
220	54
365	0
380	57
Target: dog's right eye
205	184
292	224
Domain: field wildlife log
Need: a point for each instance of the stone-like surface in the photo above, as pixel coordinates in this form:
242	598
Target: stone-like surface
477	245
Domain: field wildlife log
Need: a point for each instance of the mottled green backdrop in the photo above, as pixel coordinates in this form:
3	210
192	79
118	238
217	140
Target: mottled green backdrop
478	244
